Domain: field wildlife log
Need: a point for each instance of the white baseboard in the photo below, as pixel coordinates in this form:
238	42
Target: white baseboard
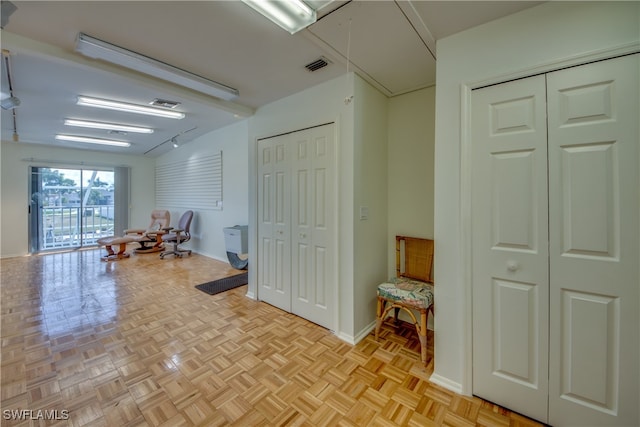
366	331
355	339
208	255
7	256
346	338
446	383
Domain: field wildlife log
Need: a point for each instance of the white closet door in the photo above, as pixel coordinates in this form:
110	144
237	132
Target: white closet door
594	243
313	222
510	255
592	303
297	223
274	222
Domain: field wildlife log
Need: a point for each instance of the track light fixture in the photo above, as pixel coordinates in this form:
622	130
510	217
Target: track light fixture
6	9
13	101
10	103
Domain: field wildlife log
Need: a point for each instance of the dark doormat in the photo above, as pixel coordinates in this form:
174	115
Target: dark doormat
225	284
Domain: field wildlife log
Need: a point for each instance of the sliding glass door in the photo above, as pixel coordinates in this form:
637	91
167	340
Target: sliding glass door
70	208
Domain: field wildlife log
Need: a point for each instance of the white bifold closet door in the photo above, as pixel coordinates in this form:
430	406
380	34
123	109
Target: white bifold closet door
556	244
297	223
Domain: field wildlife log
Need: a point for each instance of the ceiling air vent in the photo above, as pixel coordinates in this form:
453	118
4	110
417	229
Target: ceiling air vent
164	103
317	64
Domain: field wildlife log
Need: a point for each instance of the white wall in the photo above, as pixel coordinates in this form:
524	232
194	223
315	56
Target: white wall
370	177
207	236
410	162
15	179
536	40
317	105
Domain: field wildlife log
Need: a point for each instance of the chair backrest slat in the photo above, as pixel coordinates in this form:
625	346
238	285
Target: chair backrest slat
414	258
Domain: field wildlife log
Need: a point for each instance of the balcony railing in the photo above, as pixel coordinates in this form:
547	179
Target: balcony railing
72	226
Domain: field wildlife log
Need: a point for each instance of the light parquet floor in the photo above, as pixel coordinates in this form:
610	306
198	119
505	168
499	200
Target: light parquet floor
133	343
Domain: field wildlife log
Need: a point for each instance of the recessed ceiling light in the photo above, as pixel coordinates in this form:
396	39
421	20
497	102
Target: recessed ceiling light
75	138
164	103
107	126
128	108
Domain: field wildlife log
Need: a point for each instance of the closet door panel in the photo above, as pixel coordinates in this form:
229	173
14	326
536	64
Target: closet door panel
594	243
302	233
274	256
314	225
589	172
513	198
510	264
265	217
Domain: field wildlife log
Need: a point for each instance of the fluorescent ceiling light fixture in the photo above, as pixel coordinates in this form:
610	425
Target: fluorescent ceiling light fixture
290	15
128	108
107	126
74	138
98	49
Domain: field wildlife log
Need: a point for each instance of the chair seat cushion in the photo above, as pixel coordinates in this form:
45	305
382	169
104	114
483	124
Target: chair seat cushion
407	291
114	240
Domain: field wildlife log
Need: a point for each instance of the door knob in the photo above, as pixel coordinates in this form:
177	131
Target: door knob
513	266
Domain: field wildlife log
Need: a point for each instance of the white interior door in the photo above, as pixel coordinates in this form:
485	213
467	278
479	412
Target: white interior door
297	223
313	222
274	222
510	256
594	243
577	303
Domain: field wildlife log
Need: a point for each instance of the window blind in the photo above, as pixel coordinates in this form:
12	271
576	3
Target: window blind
194	183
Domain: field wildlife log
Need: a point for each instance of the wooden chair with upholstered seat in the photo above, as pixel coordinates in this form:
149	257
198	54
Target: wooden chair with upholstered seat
412	288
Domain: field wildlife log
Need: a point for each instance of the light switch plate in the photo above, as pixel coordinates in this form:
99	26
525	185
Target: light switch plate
364	212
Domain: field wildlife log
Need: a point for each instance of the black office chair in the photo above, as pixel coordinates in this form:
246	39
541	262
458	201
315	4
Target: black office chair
179	235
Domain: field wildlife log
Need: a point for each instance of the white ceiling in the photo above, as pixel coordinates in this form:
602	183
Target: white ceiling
391	44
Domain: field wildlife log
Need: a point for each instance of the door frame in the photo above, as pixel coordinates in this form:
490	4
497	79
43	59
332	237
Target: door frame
465	255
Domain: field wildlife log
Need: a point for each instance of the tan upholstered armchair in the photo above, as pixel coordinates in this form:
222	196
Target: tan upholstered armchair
150	238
